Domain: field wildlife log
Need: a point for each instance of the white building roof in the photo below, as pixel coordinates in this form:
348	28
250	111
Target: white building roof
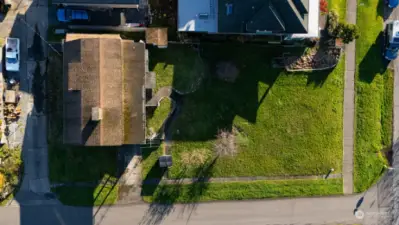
313	21
198	15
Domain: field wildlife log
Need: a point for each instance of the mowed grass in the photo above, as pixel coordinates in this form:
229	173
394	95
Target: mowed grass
286	124
182	62
81	164
156	120
197	192
374	91
87	196
338	6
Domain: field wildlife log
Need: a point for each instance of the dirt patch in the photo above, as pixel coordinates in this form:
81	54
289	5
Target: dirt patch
196	157
226	144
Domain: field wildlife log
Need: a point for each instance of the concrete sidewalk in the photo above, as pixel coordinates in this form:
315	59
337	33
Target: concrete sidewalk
349	103
301	211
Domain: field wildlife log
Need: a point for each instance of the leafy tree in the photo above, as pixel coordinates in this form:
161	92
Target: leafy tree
348	32
324	6
332	23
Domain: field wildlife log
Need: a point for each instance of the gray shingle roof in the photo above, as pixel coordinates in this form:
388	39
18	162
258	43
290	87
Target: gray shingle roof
107	72
276	16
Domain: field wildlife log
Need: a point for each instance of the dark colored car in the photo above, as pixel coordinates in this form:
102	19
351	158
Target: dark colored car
67	15
392	3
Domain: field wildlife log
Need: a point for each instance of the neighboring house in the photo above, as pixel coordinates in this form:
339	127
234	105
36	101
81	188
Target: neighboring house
288	18
104	93
103	3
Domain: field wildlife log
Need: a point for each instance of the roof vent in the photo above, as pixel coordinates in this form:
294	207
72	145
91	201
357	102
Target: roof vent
96	114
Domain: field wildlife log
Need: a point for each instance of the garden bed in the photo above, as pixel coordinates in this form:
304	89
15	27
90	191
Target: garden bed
314	60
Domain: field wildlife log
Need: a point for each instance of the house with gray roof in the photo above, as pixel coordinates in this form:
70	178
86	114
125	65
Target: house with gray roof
104	93
289	18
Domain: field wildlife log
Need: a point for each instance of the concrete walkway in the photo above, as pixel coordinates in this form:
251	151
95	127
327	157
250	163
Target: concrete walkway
349	103
232	179
298	211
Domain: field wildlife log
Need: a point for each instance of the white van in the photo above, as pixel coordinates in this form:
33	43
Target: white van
12	54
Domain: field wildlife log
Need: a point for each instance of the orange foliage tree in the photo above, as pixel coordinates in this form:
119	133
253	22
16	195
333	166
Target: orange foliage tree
324	6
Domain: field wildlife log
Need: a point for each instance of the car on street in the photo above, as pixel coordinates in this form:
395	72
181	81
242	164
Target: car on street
391	40
12	54
392	3
69	15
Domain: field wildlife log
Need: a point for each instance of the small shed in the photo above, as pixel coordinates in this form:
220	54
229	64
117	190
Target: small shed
165	161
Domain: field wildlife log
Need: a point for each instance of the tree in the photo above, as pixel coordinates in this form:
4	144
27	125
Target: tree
324	6
348	32
332	23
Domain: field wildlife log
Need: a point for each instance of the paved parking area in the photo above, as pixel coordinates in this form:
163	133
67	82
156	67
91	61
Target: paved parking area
112	17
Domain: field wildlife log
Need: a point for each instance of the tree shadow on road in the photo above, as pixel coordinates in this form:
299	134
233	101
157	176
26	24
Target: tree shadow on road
163	195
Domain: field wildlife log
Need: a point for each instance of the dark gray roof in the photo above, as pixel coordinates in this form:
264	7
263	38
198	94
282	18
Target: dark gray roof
294	20
107	72
276	16
97	2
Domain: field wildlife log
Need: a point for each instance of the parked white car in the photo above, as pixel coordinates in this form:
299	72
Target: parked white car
12	54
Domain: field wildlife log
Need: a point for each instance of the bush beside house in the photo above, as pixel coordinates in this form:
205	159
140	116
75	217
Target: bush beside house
342	30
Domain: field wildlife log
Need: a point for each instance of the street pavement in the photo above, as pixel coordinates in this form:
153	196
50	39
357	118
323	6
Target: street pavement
301	211
30	131
390	15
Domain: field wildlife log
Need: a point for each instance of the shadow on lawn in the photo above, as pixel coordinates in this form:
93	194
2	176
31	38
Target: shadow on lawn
373	62
218	102
165	195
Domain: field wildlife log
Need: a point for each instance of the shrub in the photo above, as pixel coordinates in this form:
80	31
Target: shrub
348	32
332	24
324	6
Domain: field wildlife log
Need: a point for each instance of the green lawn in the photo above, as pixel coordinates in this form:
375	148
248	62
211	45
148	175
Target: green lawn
87	196
81	164
240	190
338	6
156	120
285	124
374	91
178	66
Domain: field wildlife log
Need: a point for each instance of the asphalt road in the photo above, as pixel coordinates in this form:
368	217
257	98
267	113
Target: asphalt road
326	210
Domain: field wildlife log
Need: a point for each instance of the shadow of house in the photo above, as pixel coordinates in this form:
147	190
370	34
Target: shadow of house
80	164
373	62
216	101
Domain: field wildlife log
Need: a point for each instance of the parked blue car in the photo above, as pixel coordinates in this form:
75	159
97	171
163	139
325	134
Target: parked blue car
69	15
392	3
